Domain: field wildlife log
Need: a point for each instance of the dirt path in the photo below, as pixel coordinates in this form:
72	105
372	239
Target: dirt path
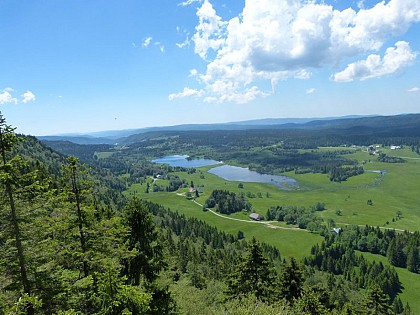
269	224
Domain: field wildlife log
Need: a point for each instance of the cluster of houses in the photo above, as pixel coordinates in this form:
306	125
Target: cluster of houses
372	150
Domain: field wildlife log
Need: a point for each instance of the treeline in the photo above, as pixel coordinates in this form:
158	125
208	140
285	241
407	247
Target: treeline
227	202
389	159
304	218
342	260
340	174
85	152
401	248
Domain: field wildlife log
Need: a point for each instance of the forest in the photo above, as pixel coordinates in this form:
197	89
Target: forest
73	240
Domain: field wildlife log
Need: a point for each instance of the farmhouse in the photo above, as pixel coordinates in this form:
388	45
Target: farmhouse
255	216
336	230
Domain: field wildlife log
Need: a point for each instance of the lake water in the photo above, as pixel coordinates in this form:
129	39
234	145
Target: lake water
229	172
182	161
241	174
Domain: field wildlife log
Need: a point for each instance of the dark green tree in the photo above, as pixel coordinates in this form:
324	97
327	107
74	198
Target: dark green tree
291	281
143	242
252	275
396	254
413	258
309	303
377	302
78	189
10	181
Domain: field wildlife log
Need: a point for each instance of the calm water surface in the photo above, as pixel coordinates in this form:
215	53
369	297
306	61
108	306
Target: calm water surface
241	174
182	161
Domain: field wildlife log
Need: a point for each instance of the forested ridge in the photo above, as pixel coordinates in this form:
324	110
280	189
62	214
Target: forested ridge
71	243
268	150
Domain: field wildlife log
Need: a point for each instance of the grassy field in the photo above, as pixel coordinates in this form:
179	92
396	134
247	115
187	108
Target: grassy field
295	243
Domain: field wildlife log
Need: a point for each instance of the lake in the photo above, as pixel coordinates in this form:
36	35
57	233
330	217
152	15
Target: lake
241	174
182	161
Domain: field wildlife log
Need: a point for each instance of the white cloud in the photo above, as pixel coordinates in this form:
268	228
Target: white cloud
275	40
310	91
28	96
185	43
374	66
189	2
187	92
147	41
414	89
209	32
6	97
193	72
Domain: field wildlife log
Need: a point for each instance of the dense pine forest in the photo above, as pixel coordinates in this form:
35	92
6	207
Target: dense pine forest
74	241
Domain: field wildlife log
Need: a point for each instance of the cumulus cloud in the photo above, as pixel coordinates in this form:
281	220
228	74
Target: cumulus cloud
6	97
28	96
414	89
187	92
375	66
310	91
275	40
209	31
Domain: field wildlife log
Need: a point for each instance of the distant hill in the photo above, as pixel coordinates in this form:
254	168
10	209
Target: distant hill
407	124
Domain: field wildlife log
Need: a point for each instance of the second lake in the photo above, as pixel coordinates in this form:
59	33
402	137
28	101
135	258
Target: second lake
241	174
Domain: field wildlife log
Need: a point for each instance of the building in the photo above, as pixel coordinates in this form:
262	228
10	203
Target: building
255	216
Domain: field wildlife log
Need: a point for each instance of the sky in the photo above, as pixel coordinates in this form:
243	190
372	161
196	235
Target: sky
77	66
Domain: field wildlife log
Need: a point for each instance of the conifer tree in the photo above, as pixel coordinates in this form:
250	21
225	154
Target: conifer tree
377	302
9	181
253	275
291	281
78	186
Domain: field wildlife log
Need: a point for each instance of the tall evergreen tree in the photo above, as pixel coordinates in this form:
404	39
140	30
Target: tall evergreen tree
377	302
78	187
413	258
252	275
10	181
147	259
291	281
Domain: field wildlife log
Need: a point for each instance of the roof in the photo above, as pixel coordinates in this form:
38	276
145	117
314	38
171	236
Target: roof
254	216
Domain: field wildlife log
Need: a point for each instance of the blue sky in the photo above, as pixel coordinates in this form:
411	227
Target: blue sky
81	66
